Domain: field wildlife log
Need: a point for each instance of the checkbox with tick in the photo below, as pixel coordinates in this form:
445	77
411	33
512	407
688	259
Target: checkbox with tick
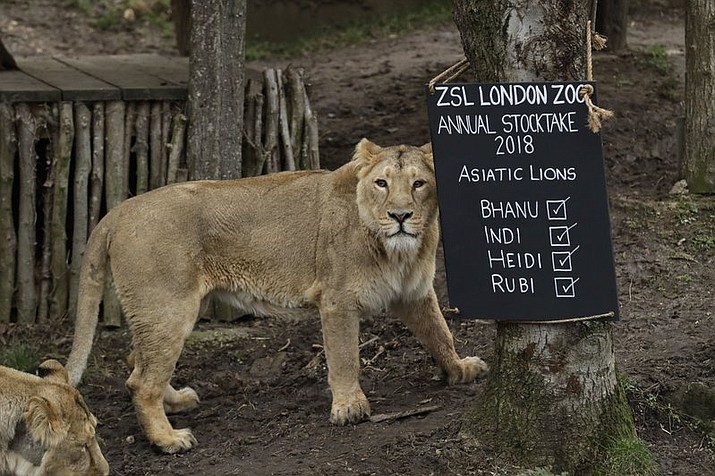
561	260
556	209
560	235
565	287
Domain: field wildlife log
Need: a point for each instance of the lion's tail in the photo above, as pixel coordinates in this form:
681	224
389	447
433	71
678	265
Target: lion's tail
91	288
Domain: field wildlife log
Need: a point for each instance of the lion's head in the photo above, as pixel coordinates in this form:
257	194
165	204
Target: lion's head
58	420
396	193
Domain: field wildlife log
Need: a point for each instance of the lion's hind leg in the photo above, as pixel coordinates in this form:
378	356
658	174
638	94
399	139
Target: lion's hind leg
175	401
157	348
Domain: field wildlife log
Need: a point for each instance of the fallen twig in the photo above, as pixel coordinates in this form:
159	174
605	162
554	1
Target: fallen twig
405	414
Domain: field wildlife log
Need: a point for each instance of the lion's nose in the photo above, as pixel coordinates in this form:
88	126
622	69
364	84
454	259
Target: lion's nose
399	217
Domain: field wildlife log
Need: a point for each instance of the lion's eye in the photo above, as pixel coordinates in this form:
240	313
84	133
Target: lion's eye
381	183
418	184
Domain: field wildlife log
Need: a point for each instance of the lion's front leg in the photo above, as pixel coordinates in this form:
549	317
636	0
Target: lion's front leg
340	337
424	318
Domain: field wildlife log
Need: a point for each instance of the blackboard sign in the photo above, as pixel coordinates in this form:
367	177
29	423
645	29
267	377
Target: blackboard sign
523	203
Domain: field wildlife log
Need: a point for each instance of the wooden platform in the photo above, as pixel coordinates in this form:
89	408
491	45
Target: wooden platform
96	78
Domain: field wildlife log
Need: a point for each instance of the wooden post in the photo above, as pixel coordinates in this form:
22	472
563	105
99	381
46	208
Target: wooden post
297	101
49	120
114	190
311	138
288	162
176	147
8	239
97	177
141	147
166	118
157	174
82	169
270	146
61	172
26	292
130	113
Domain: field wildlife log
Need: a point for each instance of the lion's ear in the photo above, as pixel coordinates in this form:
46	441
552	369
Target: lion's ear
365	151
427	148
43	421
53	371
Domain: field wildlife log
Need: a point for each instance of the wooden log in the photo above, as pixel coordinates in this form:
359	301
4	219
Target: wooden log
26	293
141	147
61	165
176	147
258	131
48	118
288	162
311	138
295	92
129	118
166	118
270	144
114	192
97	177
8	238
250	147
157	167
82	170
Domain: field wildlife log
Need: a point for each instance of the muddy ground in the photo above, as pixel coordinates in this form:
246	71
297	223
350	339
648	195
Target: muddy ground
265	401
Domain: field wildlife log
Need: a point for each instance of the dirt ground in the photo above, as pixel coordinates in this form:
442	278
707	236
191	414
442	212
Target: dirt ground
264	396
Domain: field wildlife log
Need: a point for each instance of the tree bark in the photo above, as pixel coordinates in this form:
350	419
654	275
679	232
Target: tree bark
552	398
216	73
700	96
612	22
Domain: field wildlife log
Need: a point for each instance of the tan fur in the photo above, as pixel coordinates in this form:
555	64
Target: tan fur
45	427
288	244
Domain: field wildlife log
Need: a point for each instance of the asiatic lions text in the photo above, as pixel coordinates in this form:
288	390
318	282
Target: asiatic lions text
341	245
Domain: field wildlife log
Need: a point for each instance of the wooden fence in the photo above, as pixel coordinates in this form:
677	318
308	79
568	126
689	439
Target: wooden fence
80	134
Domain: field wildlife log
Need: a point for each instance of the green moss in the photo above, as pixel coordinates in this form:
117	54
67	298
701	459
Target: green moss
627	457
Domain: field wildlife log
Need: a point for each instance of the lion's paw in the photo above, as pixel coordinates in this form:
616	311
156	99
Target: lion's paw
469	369
176	401
350	410
180	440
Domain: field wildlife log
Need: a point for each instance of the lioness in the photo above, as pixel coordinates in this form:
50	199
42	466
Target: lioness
340	244
45	421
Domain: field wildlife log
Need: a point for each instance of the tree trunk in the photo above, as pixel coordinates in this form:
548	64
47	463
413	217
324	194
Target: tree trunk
216	95
552	398
216	72
612	22
700	96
